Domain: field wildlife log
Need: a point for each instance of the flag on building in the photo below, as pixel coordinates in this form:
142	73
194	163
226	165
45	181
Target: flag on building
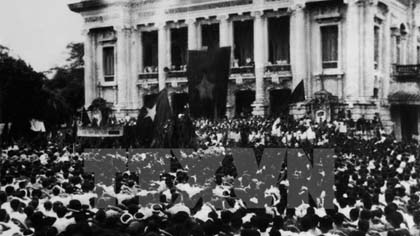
298	94
162	109
208	76
161	115
37	126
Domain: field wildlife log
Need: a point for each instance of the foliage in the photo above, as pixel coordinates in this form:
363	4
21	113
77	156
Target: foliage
68	79
76	52
23	95
26	94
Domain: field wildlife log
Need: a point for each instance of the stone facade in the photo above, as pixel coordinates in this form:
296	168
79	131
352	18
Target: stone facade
371	69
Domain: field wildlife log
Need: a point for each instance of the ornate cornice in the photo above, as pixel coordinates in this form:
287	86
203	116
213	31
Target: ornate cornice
87	5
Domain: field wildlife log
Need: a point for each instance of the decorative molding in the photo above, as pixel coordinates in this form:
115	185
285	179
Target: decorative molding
328	18
257	14
208	6
297	6
353	1
124	28
146	14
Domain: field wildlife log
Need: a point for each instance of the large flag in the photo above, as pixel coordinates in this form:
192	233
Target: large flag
163	110
161	115
208	76
298	94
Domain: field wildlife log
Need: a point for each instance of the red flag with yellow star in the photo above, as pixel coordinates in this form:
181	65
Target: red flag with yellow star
208	76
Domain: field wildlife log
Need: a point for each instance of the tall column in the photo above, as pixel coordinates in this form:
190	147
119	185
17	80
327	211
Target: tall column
192	35
394	34
368	49
259	55
298	51
140	62
413	35
387	56
162	54
224	31
352	50
136	56
123	66
89	80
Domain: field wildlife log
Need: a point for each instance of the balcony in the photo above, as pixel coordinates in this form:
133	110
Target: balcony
277	68
152	75
177	74
407	72
242	70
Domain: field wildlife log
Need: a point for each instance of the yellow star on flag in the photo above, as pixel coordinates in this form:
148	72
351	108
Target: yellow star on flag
205	89
151	112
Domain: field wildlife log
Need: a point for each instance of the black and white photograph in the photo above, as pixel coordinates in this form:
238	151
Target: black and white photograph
209	117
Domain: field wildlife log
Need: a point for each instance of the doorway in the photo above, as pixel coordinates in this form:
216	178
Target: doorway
409	121
179	101
243	102
279	102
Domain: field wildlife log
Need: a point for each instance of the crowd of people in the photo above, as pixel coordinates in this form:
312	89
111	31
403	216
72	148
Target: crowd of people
283	132
46	191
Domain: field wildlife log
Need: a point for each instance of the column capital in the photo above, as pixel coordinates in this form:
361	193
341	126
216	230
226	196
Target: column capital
296	6
124	28
85	32
223	17
191	21
356	2
361	2
161	25
257	14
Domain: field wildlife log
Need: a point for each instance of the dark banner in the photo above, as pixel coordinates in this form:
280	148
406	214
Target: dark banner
208	76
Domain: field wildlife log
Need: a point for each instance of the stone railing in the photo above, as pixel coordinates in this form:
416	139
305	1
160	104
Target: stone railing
177	73
407	72
153	75
242	70
278	68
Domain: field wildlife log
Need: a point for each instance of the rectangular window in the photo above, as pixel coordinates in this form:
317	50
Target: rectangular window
278	39
398	49
210	35
243	39
108	64
418	55
179	48
329	38
376	46
150	50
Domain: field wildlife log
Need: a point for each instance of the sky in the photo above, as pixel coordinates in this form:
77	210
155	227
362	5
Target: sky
38	31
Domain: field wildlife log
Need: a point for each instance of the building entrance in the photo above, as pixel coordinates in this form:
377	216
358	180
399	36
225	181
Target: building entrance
179	101
279	102
409	121
243	102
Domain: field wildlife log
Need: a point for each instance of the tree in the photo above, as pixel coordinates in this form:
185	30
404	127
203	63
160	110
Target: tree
76	53
24	97
68	79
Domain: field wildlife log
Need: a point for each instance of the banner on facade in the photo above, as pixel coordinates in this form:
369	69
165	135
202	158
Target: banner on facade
100	132
208	76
